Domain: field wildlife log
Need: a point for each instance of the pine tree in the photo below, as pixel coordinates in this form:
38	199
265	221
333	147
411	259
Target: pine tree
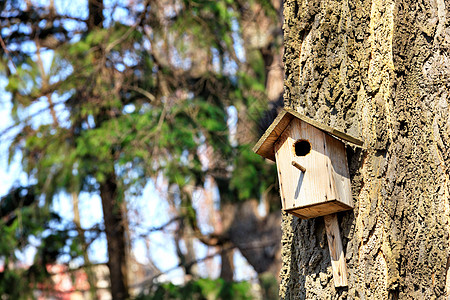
128	99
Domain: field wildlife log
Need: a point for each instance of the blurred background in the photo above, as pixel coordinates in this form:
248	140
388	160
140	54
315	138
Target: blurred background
126	168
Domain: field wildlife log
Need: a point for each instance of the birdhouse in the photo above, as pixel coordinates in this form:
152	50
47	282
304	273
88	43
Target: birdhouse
311	162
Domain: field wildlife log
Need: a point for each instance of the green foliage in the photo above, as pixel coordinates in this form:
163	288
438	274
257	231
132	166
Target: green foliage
129	102
207	289
22	219
12	283
269	286
209	22
251	176
165	131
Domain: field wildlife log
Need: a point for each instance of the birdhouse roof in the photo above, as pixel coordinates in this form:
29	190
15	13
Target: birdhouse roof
265	145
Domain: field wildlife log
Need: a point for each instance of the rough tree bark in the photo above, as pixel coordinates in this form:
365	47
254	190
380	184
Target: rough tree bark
379	70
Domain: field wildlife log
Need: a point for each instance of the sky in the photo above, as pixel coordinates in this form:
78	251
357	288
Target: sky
149	205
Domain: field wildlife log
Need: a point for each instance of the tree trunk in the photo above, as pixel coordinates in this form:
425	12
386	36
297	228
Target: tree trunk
96	17
115	235
227	262
257	238
88	267
190	255
377	70
113	214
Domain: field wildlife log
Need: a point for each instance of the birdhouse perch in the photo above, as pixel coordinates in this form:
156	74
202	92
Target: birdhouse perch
313	174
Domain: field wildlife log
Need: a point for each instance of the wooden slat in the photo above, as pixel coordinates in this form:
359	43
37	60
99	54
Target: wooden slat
335	150
326	128
318	209
338	263
265	145
280	180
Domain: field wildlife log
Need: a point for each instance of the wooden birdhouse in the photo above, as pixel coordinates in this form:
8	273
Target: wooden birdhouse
311	163
313	175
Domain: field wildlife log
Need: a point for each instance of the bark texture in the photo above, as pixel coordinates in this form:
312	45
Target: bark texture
378	70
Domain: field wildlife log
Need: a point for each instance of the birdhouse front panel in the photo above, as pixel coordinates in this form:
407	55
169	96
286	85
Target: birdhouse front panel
312	171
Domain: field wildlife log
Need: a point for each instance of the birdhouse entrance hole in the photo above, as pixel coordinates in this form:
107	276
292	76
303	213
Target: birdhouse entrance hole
302	147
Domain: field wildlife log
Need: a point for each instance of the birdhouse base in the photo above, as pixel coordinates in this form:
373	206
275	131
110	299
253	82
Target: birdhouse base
319	209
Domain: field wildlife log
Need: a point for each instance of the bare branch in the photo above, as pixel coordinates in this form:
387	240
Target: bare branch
149	281
7	52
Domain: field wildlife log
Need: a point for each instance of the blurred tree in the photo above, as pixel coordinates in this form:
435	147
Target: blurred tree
133	97
202	289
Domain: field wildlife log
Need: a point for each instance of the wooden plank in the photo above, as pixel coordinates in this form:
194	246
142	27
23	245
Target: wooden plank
287	174
265	145
293	212
280	179
337	256
326	128
335	150
318	209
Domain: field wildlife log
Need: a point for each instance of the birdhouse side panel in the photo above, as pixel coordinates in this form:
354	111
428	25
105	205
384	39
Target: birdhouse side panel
339	170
